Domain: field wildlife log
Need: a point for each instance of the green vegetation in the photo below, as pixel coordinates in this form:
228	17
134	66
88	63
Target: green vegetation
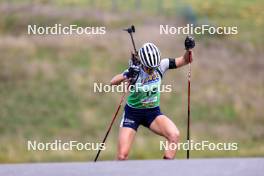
46	82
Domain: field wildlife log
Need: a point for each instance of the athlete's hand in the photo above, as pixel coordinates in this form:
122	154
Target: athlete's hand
132	72
189	43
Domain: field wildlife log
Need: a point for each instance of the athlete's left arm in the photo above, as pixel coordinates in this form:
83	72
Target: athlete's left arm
183	60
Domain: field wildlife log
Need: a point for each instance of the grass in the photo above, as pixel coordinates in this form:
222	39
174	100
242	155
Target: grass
246	15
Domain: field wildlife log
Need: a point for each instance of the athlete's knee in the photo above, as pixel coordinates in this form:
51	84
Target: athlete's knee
173	136
122	156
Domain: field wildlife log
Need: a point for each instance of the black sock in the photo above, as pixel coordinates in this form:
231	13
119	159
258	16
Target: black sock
166	158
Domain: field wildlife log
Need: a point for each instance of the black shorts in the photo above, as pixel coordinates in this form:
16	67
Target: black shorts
133	117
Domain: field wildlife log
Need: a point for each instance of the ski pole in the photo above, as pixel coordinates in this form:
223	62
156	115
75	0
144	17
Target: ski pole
112	122
189	102
132	30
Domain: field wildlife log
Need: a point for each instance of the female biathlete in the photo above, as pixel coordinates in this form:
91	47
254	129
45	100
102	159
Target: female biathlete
142	107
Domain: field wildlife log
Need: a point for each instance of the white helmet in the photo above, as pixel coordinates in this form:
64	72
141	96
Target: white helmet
149	55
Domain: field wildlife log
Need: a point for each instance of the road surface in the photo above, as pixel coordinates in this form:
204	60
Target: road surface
192	167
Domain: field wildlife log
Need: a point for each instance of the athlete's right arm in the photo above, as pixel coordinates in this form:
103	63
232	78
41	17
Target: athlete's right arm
118	79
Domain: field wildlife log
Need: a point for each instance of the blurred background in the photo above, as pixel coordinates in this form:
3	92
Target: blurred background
46	82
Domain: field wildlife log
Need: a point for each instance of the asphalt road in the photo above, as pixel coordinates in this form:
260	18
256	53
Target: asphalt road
192	167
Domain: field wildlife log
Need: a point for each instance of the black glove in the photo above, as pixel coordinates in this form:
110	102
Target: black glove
132	72
189	43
